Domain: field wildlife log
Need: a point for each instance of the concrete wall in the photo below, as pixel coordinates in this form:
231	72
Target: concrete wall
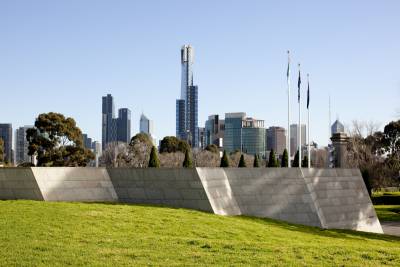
327	198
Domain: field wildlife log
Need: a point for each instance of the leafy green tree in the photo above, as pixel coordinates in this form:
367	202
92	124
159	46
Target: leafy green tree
1	150
256	163
171	144
285	159
272	162
57	141
304	162
154	162
224	160
212	148
242	162
187	162
296	160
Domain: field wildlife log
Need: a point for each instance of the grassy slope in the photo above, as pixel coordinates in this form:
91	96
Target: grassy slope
388	212
44	233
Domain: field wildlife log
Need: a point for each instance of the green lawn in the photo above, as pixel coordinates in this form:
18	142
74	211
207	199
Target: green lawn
388	212
54	234
386	198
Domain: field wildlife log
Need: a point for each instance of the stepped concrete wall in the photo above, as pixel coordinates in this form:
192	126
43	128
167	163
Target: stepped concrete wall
327	198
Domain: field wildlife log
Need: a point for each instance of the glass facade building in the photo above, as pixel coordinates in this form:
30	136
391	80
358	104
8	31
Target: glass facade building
244	134
6	135
187	106
124	125
21	145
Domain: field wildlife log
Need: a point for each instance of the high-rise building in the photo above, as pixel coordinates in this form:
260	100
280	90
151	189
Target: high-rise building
337	127
87	141
115	129
6	135
244	134
146	125
214	131
124	125
276	139
108	123
293	137
187	105
21	145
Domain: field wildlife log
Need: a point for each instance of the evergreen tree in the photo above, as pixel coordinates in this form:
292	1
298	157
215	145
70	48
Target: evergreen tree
154	162
242	163
187	162
224	160
285	159
304	163
256	163
296	160
272	162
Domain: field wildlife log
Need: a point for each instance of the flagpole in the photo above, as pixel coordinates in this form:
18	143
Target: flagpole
299	126
308	122
288	131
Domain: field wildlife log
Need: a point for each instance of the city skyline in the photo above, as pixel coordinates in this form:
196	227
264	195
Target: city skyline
59	68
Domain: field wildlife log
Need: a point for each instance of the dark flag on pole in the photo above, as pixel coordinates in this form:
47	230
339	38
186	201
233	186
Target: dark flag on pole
298	86
308	92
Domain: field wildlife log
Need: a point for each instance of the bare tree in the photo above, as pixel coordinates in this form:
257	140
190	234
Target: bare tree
204	158
111	156
171	160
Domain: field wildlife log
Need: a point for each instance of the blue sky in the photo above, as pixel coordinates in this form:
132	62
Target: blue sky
63	56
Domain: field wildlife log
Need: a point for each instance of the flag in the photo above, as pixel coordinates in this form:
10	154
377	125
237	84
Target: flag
308	94
298	86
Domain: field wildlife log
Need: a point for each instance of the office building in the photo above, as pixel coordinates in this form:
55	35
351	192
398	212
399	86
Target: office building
124	125
87	141
6	135
337	127
21	145
187	105
147	126
276	139
244	134
214	131
115	129
294	137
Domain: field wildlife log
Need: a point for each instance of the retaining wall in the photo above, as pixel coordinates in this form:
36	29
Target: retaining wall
327	198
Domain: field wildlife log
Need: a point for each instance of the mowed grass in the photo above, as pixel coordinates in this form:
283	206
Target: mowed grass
388	212
58	234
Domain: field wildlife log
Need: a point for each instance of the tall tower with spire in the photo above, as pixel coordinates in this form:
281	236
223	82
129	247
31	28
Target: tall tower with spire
187	106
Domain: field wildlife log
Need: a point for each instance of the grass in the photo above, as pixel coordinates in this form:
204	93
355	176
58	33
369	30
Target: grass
57	234
386	198
388	212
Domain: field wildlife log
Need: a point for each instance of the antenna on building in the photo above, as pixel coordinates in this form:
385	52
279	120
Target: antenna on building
330	122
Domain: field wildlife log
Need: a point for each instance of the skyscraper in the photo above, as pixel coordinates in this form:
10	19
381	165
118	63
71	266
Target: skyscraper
21	145
337	127
276	139
214	131
293	137
187	105
124	125
146	125
115	129
108	123
6	135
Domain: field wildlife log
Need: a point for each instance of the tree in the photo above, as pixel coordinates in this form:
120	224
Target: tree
114	155
256	163
205	158
171	144
391	135
187	162
154	162
212	148
272	162
304	163
242	163
224	160
57	141
137	153
296	160
1	150
285	159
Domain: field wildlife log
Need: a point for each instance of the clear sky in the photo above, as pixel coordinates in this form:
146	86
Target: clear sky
63	56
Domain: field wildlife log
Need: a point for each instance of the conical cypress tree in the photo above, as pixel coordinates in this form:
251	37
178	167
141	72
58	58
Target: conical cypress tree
187	162
256	163
296	160
242	163
285	159
304	163
272	162
154	162
224	161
